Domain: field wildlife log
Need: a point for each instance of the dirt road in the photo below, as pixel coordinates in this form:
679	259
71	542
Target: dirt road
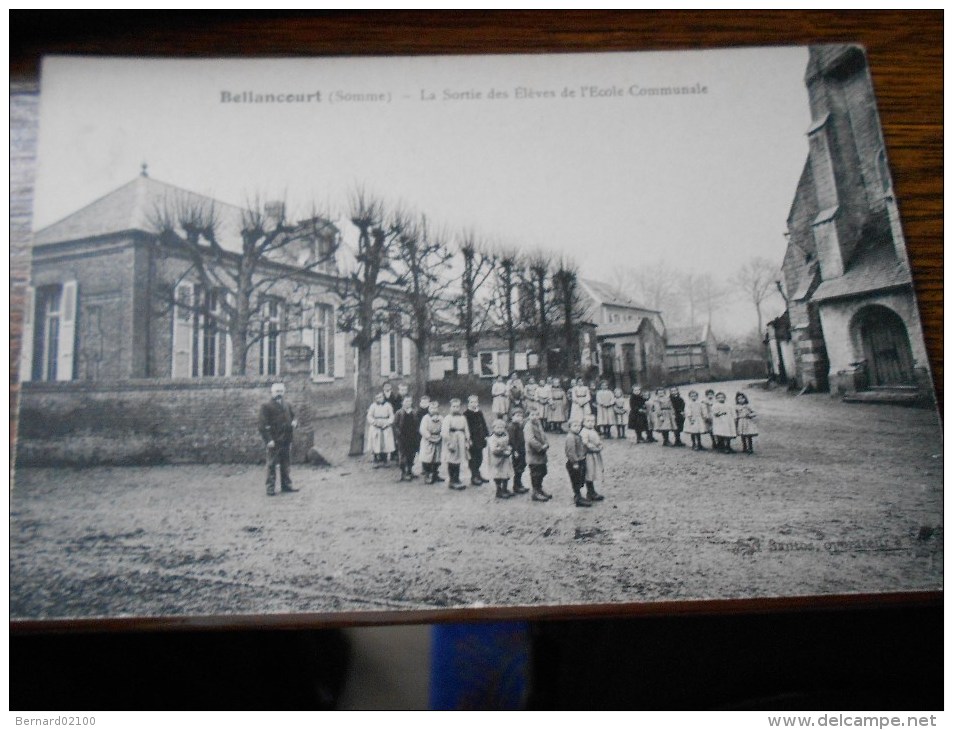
837	499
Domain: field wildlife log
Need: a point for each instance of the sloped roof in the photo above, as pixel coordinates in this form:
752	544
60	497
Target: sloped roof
687	335
134	207
875	269
616	329
806	279
604	293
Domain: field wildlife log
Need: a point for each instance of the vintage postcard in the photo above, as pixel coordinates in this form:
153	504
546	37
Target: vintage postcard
315	337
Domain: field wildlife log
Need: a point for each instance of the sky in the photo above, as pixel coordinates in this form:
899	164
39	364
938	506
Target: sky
583	156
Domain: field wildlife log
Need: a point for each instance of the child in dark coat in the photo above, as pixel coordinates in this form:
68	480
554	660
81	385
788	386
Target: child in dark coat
407	433
518	444
576	463
678	407
478	435
638	415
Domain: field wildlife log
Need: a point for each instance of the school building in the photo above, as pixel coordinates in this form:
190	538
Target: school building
120	324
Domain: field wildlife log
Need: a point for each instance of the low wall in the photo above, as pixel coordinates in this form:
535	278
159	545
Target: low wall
153	421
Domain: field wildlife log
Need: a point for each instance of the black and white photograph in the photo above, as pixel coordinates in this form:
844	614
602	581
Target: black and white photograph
345	336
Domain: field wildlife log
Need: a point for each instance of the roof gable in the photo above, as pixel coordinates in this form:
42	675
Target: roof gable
696	335
606	294
135	207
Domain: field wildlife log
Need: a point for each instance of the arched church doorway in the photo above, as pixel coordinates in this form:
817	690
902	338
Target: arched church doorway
886	346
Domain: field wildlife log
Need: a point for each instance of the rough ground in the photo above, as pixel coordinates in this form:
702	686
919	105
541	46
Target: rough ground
837	499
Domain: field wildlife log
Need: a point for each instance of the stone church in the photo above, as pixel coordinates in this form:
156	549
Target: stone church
852	314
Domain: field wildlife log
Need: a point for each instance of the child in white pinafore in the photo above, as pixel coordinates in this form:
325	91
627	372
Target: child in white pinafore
499	464
745	423
594	466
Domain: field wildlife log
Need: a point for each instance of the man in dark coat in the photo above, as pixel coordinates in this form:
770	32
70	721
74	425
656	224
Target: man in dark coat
479	431
407	435
518	444
678	405
276	424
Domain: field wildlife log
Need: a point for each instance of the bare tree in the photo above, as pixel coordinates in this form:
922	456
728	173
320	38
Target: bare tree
365	292
654	284
700	295
270	250
710	294
570	306
478	265
421	258
688	287
756	281
658	288
506	298
539	292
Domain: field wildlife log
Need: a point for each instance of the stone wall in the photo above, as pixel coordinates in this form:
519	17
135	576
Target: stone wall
151	421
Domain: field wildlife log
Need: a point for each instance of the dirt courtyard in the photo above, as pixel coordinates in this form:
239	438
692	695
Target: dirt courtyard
838	498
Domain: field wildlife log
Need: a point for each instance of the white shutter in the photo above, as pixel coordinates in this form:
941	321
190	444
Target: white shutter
385	354
26	339
340	350
229	299
502	363
520	363
463	365
406	347
67	337
182	317
308	337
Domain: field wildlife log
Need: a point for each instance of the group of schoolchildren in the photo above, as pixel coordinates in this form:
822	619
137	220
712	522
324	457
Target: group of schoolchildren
523	415
667	413
517	440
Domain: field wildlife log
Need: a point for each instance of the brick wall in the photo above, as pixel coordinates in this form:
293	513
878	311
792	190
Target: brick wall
104	300
148	421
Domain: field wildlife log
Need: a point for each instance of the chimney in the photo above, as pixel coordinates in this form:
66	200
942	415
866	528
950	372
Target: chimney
274	212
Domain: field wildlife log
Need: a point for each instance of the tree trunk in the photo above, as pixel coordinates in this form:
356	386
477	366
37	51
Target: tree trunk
241	323
471	360
239	350
362	400
421	369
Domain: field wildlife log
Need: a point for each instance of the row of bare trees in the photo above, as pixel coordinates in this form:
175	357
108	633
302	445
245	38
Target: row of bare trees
691	298
402	275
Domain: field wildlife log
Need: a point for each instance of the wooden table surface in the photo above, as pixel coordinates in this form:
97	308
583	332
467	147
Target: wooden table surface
905	51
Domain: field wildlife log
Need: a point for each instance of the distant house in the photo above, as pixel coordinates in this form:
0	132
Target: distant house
607	305
852	320
631	336
493	354
632	352
693	354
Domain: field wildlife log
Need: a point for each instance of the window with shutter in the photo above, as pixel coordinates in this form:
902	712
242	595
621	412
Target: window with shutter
26	340
182	318
385	354
340	354
406	347
67	333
